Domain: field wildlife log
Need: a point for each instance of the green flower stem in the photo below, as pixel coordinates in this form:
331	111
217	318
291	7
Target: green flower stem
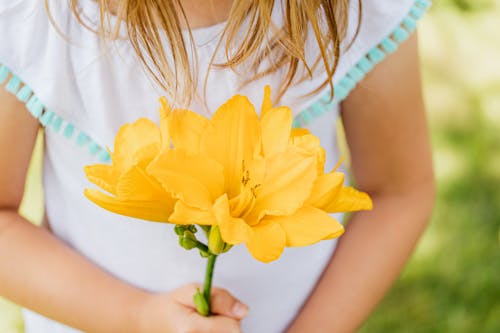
202	247
209	273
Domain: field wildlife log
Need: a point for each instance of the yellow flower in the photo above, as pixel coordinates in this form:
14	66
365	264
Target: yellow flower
259	181
132	191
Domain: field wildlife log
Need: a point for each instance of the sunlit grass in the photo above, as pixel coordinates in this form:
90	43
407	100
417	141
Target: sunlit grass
451	283
31	209
10	318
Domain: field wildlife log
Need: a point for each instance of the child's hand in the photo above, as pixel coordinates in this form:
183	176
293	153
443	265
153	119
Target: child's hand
174	312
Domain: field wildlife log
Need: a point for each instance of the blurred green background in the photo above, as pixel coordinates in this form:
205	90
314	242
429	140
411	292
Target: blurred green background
452	283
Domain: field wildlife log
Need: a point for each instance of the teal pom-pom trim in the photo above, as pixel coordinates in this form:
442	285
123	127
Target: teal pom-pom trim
82	139
417	12
306	117
56	123
104	156
378	53
326	100
400	35
93	148
340	93
24	94
35	107
69	130
347	83
365	65
13	85
356	74
4	74
389	45
46	118
317	109
31	102
424	3
410	23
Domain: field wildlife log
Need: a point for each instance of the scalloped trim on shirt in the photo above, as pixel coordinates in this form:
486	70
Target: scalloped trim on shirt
48	119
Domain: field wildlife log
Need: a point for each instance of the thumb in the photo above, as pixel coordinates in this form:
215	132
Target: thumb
225	304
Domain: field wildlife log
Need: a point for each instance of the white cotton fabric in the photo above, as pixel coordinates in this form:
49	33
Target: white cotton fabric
98	89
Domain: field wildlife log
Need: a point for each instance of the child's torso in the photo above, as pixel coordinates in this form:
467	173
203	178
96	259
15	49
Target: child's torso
92	90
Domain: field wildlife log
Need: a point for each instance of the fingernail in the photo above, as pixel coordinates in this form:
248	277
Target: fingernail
240	310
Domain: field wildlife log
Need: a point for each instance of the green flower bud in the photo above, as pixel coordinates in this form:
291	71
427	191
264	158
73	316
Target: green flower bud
179	229
192	228
215	243
188	240
201	303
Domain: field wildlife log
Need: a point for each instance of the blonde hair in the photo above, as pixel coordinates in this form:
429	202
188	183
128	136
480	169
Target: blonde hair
285	49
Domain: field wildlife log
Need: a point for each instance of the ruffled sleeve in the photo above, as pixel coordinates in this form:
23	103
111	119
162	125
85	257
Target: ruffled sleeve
383	26
37	64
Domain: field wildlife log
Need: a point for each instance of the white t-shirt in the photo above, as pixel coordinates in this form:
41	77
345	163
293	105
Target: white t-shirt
83	92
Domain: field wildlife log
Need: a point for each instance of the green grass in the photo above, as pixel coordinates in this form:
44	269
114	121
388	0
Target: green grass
31	209
451	283
10	318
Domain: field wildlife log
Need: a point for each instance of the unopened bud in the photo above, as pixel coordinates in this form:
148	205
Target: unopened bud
201	303
215	243
188	240
179	229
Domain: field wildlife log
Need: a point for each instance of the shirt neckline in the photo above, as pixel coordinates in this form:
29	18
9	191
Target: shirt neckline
203	36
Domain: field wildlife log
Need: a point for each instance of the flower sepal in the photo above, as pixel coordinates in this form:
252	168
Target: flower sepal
201	303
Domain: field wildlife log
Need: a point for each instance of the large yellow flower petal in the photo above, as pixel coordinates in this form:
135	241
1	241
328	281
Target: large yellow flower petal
349	200
195	179
135	184
186	128
287	184
233	230
310	144
267	241
307	142
254	173
156	211
143	156
132	138
232	138
184	214
325	190
276	124
103	175
185	188
276	127
307	226
243	203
